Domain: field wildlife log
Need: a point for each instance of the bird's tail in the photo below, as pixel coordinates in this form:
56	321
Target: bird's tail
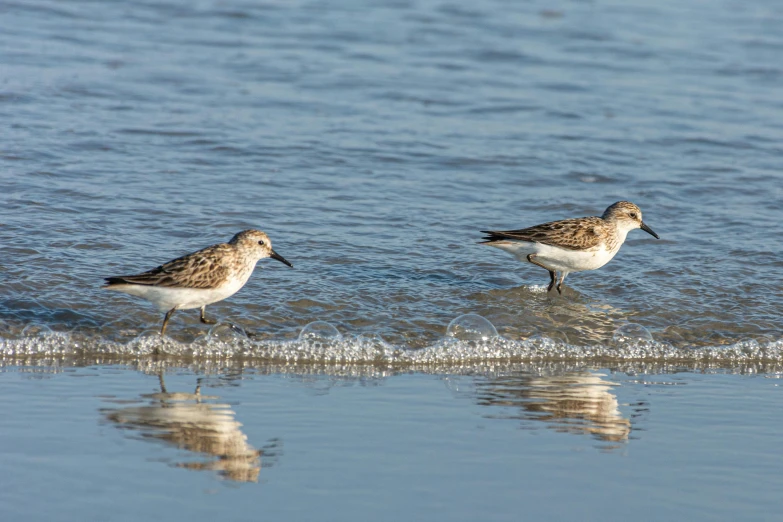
492	236
114	281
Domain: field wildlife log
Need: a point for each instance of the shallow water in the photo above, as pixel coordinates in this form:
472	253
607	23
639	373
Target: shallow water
549	442
400	370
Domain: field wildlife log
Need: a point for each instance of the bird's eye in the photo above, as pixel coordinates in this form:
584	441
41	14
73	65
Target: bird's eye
633	215
261	243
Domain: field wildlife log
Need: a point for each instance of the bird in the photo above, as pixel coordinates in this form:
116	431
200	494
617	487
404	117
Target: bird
201	278
571	245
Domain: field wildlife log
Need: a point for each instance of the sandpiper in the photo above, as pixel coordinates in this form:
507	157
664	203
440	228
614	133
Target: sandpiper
571	245
201	278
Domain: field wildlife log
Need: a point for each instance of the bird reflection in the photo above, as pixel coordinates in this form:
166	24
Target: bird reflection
578	403
528	310
183	420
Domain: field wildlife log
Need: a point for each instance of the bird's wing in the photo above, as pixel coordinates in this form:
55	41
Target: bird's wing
573	234
202	270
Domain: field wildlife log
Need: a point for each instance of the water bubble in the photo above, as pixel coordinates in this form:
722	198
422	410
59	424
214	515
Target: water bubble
372	339
558	336
226	332
544	345
147	342
201	340
150	333
319	331
36	330
375	344
632	332
471	327
748	347
673	333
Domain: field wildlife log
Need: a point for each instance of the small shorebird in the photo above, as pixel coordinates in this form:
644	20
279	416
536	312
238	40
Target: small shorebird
571	245
201	278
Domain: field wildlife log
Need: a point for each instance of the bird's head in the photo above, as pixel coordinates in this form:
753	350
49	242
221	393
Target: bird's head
258	244
627	217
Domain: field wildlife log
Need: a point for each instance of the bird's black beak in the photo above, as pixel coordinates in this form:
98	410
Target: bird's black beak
275	255
649	230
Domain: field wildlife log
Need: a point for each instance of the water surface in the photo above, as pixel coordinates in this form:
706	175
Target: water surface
401	370
545	442
373	143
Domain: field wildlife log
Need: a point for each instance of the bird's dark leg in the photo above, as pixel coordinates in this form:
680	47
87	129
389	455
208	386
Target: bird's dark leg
552	275
560	284
166	321
204	318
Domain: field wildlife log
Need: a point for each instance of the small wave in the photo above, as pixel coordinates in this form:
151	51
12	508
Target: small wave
470	339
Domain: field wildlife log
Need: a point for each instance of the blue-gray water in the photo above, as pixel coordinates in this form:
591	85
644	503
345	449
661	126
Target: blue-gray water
372	142
548	442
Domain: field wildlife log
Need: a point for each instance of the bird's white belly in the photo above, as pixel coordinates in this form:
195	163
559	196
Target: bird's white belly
556	258
166	298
